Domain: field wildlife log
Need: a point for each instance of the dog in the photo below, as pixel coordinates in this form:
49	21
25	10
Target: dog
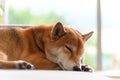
43	47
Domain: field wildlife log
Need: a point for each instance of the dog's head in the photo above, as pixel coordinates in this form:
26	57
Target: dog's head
65	46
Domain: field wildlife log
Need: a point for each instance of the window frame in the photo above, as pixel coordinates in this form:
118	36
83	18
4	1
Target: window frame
99	49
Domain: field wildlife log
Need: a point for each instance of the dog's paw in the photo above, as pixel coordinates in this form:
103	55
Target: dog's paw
24	65
86	68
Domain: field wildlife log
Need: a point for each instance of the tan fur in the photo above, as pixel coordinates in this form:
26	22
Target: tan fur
44	46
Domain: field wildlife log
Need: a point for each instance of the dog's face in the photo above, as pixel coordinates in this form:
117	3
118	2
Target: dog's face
65	46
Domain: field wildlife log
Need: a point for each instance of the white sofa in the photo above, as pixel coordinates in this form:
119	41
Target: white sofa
53	75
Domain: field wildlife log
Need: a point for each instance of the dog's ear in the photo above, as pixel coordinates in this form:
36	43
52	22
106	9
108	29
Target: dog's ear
87	36
57	31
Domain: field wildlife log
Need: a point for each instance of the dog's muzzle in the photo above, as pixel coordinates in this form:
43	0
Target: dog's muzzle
76	68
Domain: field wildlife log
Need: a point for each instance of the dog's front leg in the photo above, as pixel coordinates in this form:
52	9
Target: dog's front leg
86	68
20	64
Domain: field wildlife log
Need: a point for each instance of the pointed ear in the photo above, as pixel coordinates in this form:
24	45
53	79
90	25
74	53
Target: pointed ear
57	31
87	36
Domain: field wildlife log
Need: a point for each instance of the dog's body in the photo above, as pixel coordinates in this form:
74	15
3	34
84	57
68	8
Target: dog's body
49	47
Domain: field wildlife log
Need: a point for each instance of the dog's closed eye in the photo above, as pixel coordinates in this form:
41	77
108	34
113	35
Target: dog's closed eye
68	48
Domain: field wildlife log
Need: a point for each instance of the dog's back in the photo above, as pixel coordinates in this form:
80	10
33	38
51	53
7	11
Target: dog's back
10	41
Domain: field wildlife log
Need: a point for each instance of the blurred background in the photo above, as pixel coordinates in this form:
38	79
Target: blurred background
101	16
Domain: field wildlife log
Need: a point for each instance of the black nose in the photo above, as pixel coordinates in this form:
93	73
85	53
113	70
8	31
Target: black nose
76	68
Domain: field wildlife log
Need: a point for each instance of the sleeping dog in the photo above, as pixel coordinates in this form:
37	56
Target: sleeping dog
44	47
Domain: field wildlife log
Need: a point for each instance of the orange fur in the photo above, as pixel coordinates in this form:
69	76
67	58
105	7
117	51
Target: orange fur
43	46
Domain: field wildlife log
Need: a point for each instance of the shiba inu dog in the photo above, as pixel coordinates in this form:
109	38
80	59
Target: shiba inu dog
44	47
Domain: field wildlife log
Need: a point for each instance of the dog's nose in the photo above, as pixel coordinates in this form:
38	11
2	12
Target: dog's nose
76	68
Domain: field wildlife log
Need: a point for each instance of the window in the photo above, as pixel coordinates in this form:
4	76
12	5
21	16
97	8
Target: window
79	14
110	34
1	11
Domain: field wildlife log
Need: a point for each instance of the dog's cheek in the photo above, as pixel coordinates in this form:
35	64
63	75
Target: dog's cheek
54	54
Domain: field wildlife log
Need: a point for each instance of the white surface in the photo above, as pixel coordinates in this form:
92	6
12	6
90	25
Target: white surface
49	75
111	73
